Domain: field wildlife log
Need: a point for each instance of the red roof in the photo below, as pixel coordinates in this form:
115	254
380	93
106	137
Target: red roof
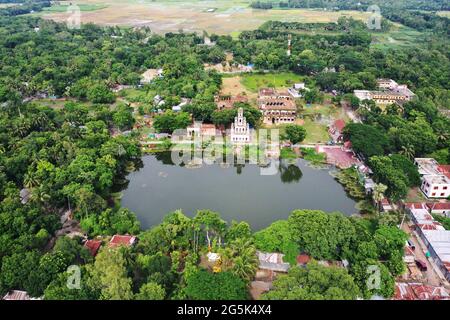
385	201
415	205
418	291
118	240
439	205
339	124
303	259
347	144
93	246
16	295
444	169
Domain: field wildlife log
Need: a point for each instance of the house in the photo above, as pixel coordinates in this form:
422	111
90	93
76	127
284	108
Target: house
335	130
369	185
272	261
442	208
18	295
444	169
228	101
438	245
149	75
427	166
419	291
436	186
122	240
240	129
208	130
25	195
277	108
435	179
415	205
303	259
178	107
435	238
385	206
199	129
294	91
93	246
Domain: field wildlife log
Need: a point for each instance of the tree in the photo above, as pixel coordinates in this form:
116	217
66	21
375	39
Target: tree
314	282
100	93
239	257
123	116
295	133
58	289
404	164
212	224
108	275
278	237
385	173
203	285
366	139
169	121
322	235
151	291
378	192
363	272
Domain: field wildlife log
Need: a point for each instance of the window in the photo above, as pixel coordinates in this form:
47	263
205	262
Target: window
444	188
442	194
435	188
433	194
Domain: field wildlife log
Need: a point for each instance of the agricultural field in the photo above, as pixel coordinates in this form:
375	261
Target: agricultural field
220	17
83	7
399	36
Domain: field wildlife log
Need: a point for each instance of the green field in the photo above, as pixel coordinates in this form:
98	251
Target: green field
255	81
315	132
399	36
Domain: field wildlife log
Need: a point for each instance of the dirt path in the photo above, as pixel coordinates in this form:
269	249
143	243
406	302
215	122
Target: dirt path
430	276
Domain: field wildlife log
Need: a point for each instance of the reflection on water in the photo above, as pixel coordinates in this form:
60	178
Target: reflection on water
237	191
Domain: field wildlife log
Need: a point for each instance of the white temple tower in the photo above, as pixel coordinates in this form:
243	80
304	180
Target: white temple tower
240	129
289	45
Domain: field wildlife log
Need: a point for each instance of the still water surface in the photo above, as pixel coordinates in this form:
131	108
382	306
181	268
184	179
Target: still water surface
237	192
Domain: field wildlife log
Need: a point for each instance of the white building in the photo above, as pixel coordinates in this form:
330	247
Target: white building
363	94
295	90
240	129
389	92
435	184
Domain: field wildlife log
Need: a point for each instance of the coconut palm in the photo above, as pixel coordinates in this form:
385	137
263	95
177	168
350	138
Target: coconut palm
39	195
239	257
29	180
378	192
408	151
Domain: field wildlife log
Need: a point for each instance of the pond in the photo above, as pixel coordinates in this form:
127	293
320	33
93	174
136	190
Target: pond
237	192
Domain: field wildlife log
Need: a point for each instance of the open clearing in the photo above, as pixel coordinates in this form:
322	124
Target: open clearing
282	80
220	17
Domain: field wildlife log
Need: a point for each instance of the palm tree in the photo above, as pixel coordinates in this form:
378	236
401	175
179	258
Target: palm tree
29	181
240	258
408	151
378	192
39	195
